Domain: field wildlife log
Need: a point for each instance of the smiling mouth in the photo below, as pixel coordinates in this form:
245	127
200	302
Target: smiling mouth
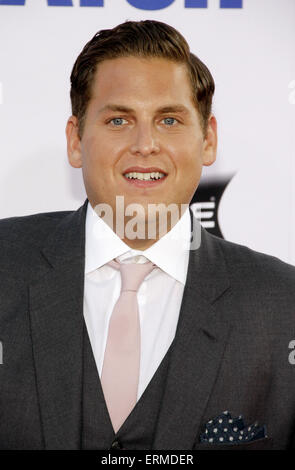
143	180
145	176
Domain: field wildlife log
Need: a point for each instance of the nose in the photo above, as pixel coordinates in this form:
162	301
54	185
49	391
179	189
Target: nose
144	141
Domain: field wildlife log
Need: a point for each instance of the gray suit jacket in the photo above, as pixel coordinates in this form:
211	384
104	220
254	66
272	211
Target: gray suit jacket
230	351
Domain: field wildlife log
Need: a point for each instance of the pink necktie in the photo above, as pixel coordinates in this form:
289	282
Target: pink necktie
120	371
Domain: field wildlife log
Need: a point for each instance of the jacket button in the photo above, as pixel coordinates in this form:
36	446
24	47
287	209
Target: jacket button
116	444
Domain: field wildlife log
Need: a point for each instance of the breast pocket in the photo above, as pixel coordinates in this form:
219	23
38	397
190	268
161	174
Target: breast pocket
260	444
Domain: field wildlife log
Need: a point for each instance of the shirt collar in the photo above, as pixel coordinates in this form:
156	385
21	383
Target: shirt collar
170	252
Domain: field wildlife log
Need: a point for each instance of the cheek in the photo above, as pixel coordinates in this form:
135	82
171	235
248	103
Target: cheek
188	159
94	154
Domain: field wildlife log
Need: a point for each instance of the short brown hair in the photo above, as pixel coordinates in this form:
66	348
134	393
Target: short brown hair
143	39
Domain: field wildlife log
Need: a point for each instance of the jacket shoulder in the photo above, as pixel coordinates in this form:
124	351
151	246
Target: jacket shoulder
246	265
29	230
21	241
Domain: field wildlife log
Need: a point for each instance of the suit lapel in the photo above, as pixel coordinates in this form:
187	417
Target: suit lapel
56	313
197	350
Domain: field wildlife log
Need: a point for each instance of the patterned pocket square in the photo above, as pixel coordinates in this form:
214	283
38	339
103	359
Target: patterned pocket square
227	430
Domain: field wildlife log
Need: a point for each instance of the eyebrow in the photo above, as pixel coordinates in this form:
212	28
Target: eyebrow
174	108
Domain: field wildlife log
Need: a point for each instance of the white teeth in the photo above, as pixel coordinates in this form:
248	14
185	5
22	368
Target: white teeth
144	176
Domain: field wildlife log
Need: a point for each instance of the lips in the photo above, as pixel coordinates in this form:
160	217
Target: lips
134	183
141	169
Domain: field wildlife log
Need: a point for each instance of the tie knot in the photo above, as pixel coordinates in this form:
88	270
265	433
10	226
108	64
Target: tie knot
132	274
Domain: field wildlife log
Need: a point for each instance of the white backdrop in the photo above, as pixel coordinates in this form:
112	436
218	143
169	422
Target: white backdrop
250	52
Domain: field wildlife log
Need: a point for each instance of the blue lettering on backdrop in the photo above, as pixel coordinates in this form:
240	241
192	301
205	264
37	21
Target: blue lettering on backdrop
91	3
150	4
60	3
12	2
231	3
141	4
196	4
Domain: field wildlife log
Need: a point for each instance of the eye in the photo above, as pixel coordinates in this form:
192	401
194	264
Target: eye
170	121
118	121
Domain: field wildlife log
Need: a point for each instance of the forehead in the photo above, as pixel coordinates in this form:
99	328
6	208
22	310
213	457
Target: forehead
141	79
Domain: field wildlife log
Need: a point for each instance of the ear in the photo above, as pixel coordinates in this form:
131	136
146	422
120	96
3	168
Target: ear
73	143
210	142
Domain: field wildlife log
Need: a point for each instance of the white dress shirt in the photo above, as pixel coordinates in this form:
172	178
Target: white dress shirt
159	296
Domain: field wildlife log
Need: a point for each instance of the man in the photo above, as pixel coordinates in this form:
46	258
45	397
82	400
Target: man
205	363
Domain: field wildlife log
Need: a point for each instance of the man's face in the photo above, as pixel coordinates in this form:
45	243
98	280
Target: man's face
141	114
